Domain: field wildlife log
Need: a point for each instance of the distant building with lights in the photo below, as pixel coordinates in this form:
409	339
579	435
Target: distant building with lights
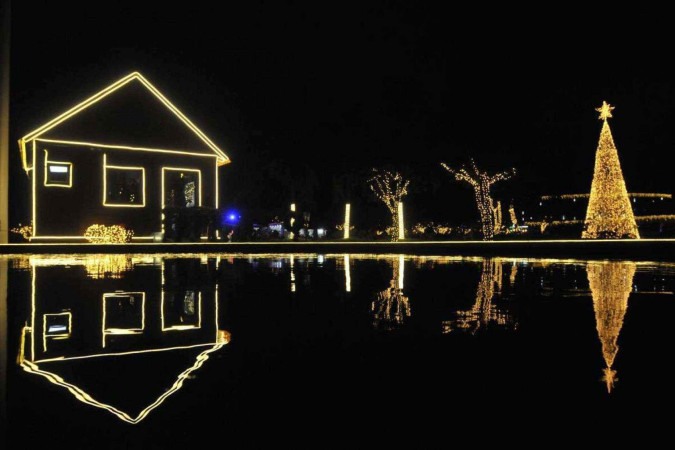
564	214
118	158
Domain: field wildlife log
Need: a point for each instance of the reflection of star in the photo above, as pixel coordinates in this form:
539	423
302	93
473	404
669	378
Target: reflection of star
605	110
609	378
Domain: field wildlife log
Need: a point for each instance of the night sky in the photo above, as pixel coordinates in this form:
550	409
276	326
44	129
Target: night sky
328	90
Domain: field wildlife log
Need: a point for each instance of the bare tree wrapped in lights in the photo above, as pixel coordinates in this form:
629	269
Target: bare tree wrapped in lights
484	313
481	183
609	214
391	308
390	188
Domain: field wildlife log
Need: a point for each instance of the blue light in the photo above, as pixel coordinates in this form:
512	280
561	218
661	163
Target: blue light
231	217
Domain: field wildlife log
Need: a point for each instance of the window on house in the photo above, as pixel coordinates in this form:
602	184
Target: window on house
181	310
58	174
124	312
182	188
124	186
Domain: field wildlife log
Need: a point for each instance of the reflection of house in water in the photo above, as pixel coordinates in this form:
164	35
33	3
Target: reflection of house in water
391	308
484	313
610	284
124	342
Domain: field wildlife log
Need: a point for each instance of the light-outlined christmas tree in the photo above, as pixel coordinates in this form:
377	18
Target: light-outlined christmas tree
609	214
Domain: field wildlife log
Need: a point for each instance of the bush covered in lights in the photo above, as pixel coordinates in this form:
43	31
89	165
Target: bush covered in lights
113	234
26	231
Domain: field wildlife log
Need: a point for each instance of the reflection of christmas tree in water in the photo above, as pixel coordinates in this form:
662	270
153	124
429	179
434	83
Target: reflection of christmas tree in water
610	284
483	313
391	308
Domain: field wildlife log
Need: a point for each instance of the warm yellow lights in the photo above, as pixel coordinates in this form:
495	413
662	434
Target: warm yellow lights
652	195
391	308
33	180
111	266
106	168
390	188
132	298
113	234
63	331
82	396
512	215
182	327
26	231
60	173
182	169
348	208
605	111
135	76
609	214
88	145
497	213
348	274
611	284
401	271
292	270
57	167
401	223
291	222
481	183
55	326
484	312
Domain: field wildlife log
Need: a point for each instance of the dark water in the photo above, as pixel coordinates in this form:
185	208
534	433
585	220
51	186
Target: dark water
143	351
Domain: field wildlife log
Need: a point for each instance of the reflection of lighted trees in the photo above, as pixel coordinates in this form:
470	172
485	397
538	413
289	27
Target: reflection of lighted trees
108	266
483	313
610	285
391	308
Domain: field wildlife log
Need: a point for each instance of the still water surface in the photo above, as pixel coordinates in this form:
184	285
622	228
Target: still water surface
147	351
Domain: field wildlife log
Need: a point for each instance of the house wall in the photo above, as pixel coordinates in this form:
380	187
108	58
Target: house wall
61	211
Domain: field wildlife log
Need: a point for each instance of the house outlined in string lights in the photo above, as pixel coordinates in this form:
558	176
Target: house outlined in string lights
115	332
118	158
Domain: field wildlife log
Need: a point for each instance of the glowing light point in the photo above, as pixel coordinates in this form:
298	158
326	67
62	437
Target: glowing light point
401	226
347	214
605	111
348	275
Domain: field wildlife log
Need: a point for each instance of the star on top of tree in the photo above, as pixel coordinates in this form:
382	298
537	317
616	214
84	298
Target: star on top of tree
605	110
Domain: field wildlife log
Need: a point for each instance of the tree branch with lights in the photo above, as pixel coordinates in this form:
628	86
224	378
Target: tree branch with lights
390	188
481	183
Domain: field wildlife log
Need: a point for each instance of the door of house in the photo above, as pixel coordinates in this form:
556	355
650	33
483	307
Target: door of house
181	188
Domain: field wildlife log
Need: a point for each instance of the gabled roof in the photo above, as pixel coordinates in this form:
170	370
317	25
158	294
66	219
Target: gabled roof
130	120
144	406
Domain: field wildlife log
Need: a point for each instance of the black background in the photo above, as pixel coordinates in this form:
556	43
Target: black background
301	94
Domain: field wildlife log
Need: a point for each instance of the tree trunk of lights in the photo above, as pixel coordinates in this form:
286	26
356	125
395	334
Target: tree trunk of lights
401	222
394	221
486	210
5	13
